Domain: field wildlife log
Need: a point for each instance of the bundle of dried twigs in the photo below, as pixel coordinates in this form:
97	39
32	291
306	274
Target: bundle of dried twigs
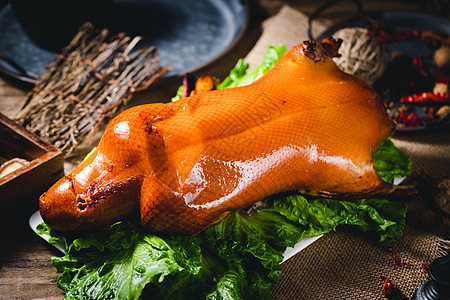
93	77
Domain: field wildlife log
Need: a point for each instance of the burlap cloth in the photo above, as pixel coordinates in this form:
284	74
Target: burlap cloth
350	264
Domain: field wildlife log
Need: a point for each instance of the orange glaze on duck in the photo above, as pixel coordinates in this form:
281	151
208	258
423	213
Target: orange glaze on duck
181	166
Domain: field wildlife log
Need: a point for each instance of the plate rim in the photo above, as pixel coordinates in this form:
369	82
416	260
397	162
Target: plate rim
244	6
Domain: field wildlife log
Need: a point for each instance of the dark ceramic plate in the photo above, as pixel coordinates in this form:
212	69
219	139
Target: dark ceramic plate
188	34
412	47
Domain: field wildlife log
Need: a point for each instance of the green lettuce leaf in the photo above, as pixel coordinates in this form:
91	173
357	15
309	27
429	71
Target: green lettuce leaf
319	215
390	162
119	262
238	258
239	76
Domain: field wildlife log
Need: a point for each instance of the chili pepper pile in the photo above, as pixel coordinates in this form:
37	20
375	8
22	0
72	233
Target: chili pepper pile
408	84
408	117
426	97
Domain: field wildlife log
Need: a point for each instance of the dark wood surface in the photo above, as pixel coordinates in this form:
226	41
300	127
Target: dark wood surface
25	268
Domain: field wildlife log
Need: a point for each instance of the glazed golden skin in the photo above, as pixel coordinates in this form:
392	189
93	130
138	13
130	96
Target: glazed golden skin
181	166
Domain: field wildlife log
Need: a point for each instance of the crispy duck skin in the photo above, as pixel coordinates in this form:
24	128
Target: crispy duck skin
180	167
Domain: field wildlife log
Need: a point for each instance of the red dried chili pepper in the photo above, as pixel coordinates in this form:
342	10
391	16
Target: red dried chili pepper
384	37
430	111
391	291
413	120
398	35
426	97
397	260
417	63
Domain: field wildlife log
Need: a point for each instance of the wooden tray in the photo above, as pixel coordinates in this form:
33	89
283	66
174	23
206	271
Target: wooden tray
20	190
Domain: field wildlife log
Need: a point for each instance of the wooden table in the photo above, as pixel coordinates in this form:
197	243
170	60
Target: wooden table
25	269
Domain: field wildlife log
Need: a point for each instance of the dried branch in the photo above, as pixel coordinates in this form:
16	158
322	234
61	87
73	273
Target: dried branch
86	85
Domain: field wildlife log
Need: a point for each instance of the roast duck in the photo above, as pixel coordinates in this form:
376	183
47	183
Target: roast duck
179	167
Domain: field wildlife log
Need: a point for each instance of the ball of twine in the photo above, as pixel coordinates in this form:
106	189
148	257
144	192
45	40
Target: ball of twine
361	54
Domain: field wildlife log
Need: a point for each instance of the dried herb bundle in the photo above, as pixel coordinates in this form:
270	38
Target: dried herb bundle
93	77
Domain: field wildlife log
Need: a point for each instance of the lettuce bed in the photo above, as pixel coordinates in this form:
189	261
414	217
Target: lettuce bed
238	258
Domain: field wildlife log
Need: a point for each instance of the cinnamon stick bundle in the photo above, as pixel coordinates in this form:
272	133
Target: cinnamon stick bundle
86	85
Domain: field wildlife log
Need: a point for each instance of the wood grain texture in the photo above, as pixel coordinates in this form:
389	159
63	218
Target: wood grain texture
25	267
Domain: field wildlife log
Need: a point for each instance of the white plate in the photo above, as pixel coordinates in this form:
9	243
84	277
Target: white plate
36	219
305	242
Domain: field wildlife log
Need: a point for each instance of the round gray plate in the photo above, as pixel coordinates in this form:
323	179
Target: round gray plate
188	34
